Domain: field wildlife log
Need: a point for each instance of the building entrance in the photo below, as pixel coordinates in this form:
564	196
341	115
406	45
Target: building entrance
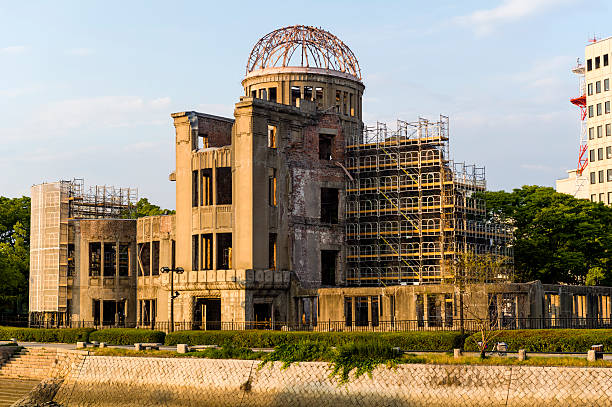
207	313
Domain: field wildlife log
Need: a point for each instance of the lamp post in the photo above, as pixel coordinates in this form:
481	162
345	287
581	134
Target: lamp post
173	295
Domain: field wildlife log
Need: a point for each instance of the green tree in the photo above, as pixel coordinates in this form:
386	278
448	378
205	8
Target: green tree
13	210
557	238
14	270
144	208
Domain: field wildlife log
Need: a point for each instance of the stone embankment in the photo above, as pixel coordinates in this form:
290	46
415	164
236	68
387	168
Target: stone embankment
147	381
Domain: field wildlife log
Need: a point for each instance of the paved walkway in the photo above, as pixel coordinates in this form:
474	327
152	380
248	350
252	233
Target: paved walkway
12	390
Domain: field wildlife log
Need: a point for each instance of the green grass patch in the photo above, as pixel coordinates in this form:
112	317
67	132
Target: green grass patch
549	340
302	351
416	341
63	335
127	336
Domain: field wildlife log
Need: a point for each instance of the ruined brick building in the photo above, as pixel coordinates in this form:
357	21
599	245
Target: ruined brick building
291	212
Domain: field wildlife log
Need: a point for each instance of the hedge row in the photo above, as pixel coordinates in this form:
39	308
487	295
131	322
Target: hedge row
64	335
127	336
549	340
417	341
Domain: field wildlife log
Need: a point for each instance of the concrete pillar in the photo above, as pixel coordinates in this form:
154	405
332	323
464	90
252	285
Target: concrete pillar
370	311
522	355
457	353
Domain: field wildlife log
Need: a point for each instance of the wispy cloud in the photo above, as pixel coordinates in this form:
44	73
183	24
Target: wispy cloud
80	52
14	49
485	20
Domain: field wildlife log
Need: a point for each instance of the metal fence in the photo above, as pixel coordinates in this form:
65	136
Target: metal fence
432	324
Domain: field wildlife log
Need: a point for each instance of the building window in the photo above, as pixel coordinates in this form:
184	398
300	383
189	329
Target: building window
598	87
609	173
110	256
95	252
326	146
295	95
272	251
194	188
589	64
195	252
155	258
592	177
70	260
124	259
591	133
328	267
599	132
608	130
600	155
599	111
224	186
272	187
591	111
600	174
224	251
592	155
606	84
605	58
307	92
348	311
601	197
607	107
271	136
207	251
609	152
329	205
597	62
144	259
206	198
593	197
609	198
590	89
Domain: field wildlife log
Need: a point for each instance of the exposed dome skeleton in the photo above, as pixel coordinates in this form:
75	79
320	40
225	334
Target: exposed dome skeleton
317	49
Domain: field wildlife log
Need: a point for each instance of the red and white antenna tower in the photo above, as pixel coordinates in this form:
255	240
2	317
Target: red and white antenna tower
580	101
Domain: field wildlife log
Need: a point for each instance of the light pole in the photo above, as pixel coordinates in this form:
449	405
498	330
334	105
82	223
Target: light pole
173	295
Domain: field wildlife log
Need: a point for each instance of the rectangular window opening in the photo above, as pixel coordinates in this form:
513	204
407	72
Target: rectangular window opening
348	311
195	253
206	186
155	258
271	136
124	259
599	111
272	187
326	146
272	94
144	259
375	310
71	264
597	62
95	252
600	155
605	60
590	89
194	188
606	84
307	92
600	176
224	186
607	107
295	95
592	177
329	205
598	87
589	64
207	251
328	267
224	251
591	155
110	256
272	251
591	133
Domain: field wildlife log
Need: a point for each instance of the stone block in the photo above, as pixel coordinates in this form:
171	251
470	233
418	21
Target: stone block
522	355
81	344
457	353
591	355
137	346
182	348
95	344
102	345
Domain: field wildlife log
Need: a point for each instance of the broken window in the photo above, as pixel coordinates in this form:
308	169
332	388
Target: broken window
319	96
206	186
148	312
272	187
224	186
272	94
328	267
419	310
263	94
307	92
194	188
110	255
124	259
434	311
195	253
375	310
155	258
351	105
295	95
272	251
144	259
254	94
345	103
95	311
338	100
348	311
361	311
70	260
94	259
329	205
224	251
271	136
207	251
325	146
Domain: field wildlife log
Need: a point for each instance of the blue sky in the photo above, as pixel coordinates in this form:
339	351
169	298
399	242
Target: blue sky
87	88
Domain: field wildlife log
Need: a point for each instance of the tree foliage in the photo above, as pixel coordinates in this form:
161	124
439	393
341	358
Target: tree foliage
144	208
557	238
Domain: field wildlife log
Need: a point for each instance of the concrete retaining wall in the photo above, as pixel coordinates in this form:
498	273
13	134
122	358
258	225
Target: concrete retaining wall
123	381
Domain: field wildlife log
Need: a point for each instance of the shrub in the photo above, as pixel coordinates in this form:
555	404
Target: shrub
62	335
127	336
363	358
302	351
416	341
550	340
228	351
